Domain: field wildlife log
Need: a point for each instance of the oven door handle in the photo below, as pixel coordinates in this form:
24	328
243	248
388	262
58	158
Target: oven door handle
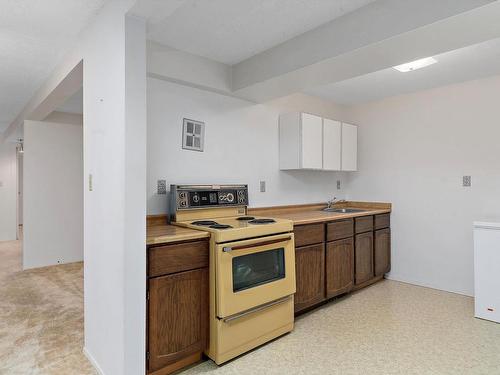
228	249
255	309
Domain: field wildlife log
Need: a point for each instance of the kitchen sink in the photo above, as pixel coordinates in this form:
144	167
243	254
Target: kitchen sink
344	210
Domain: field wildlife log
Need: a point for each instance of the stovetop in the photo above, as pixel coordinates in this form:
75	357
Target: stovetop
239	227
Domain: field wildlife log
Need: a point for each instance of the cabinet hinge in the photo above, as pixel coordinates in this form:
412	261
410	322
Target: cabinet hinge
147	295
147	356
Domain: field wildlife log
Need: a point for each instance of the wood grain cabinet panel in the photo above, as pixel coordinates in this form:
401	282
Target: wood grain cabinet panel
178	317
364	257
309	234
164	260
340	229
339	267
382	252
363	224
310	276
382	221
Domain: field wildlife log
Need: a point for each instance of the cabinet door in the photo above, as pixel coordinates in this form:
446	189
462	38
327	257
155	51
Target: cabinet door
310	276
178	317
364	257
382	251
331	145
339	267
349	147
311	141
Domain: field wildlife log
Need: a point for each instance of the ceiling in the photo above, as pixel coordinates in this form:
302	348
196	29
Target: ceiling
472	62
229	31
34	35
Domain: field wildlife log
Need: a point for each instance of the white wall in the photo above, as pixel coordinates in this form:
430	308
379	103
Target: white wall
65	118
53	194
114	298
413	151
241	145
8	192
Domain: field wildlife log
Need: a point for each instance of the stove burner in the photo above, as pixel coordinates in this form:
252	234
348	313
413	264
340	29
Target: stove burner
205	222
220	226
246	218
262	221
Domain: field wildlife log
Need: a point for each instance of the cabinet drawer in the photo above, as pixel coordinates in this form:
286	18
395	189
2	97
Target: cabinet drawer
382	221
363	224
338	230
164	260
309	234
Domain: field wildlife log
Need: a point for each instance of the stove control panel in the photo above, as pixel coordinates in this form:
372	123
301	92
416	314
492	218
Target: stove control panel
185	197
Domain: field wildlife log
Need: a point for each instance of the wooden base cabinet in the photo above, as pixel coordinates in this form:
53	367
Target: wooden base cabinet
382	251
178	317
339	267
310	276
340	256
364	257
177	308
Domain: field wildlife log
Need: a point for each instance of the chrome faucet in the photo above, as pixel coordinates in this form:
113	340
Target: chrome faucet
334	201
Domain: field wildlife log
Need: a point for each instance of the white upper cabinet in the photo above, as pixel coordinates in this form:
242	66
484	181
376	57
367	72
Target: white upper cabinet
349	147
332	138
311	131
301	139
311	142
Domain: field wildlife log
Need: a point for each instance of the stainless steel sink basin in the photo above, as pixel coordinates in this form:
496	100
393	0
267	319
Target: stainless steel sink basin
344	210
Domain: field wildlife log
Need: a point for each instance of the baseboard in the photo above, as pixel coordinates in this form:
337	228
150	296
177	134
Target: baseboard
93	361
424	285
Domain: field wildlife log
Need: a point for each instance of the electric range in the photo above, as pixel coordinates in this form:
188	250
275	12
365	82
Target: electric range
252	267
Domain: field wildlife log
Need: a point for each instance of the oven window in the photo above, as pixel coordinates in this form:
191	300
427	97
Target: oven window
256	269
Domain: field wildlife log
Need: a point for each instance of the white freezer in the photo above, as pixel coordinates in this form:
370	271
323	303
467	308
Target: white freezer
487	270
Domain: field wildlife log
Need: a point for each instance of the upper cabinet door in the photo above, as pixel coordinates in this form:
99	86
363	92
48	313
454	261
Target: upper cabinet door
331	144
312	141
349	147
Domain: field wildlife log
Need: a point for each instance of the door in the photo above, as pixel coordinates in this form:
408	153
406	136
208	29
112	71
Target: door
331	144
254	272
311	130
382	251
339	267
310	274
363	257
349	147
178	317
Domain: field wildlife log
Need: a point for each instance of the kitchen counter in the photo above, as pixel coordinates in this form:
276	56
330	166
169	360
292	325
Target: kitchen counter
159	234
312	213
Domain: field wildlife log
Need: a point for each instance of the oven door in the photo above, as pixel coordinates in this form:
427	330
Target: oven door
254	272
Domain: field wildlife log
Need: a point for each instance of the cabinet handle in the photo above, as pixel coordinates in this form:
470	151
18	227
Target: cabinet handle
255	309
249	246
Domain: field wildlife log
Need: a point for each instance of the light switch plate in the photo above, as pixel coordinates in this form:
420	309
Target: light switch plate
338	184
91	184
162	187
467	181
263	186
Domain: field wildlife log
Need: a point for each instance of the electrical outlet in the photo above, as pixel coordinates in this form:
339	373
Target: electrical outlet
338	184
162	187
467	181
263	186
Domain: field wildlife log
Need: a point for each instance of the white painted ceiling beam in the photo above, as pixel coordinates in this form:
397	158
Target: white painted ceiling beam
181	67
380	35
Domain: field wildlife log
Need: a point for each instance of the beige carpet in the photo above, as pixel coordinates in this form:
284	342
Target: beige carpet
41	317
